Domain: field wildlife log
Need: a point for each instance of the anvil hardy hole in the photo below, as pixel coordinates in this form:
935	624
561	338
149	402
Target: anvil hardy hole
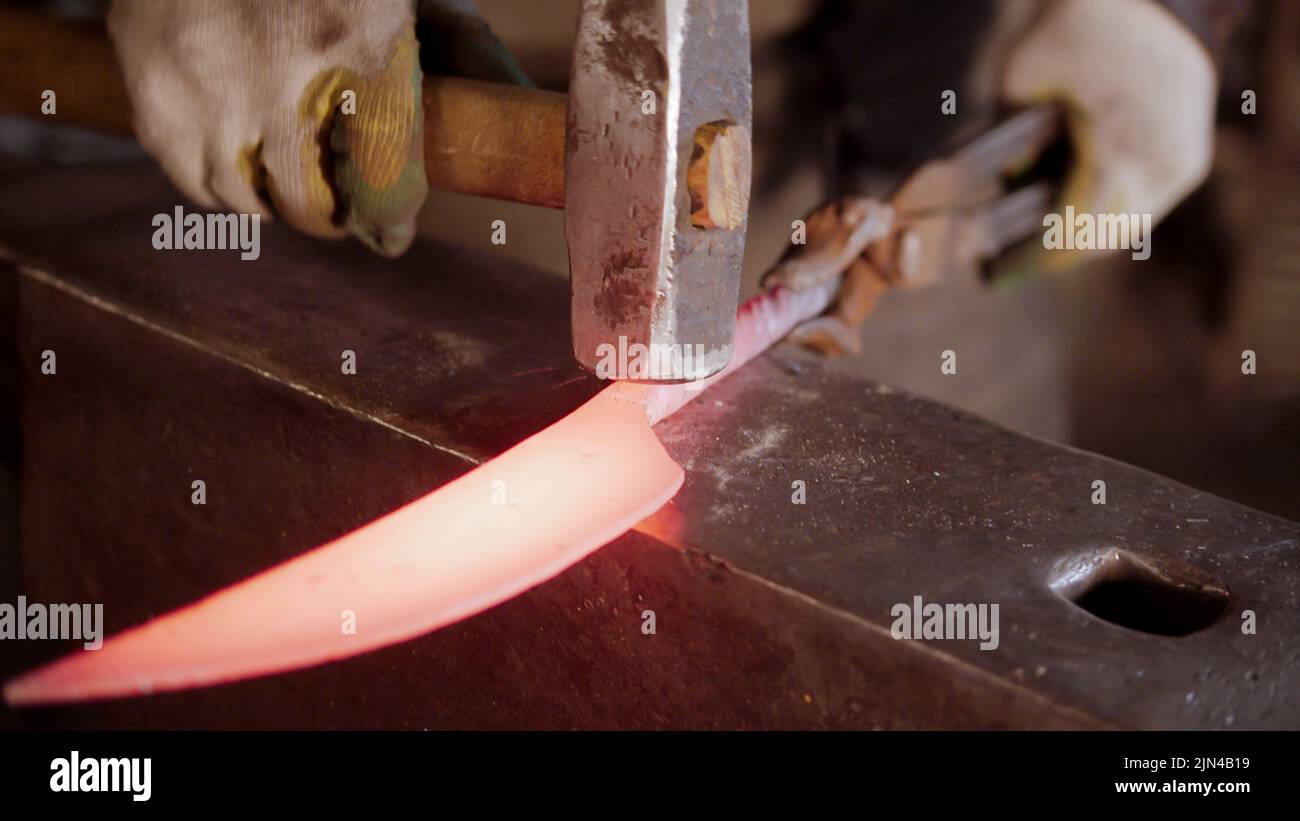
1166	597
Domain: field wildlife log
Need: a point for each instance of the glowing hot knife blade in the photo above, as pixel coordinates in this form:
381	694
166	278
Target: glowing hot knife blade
500	529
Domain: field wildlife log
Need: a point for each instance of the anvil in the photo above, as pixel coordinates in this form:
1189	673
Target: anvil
762	596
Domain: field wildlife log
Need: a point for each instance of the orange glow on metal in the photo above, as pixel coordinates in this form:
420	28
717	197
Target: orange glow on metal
485	537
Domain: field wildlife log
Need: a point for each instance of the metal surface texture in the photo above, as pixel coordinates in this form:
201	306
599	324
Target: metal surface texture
657	178
184	365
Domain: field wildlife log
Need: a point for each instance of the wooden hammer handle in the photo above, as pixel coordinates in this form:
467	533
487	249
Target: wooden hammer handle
488	139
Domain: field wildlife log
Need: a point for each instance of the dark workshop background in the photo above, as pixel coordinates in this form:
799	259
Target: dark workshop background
1139	361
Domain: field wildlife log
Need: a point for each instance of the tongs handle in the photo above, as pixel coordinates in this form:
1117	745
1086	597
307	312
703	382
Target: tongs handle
1023	135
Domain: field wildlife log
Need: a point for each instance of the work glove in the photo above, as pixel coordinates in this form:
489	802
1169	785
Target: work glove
1138	90
310	111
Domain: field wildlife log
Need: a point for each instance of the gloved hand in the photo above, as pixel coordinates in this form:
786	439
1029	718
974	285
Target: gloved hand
241	104
1139	92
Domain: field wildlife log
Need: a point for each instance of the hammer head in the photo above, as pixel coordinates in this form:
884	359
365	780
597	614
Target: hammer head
657	174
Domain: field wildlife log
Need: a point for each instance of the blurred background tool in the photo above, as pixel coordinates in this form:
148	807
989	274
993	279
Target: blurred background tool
950	219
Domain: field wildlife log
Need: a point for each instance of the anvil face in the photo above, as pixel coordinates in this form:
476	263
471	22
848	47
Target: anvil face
770	613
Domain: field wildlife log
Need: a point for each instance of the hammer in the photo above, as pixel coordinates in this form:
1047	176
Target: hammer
649	155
